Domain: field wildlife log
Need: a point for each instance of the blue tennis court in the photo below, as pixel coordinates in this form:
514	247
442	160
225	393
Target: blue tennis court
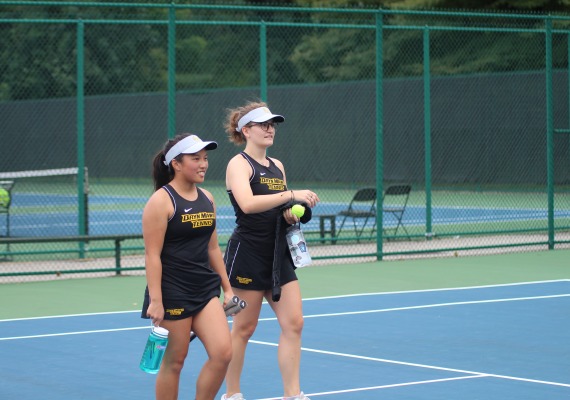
128	221
489	342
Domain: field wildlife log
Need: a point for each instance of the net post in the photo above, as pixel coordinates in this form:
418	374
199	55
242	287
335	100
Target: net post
7	185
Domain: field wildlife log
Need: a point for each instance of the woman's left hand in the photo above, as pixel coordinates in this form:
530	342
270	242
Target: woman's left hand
228	296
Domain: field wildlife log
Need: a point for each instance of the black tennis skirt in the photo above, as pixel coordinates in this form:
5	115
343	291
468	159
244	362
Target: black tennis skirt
248	269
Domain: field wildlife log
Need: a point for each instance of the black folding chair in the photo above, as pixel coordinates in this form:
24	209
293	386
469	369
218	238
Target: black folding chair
362	206
398	196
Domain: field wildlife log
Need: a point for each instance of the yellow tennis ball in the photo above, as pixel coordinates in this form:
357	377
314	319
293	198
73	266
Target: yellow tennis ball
298	210
5	197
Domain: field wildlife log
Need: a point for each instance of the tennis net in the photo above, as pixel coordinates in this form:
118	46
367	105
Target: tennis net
49	202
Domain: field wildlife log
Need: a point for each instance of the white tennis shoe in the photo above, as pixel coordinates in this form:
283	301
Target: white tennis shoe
235	396
239	396
301	396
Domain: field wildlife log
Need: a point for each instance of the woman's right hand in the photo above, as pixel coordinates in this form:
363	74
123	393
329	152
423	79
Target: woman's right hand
307	196
155	312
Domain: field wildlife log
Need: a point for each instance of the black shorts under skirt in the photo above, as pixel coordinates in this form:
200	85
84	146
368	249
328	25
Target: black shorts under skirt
248	269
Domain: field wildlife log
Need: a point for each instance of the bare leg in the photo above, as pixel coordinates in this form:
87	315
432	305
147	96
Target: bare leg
168	377
212	327
289	312
243	327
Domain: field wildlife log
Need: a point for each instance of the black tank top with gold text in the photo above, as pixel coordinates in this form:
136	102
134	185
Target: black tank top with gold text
259	229
185	261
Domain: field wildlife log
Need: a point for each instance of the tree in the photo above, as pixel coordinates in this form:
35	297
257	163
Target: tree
38	60
346	54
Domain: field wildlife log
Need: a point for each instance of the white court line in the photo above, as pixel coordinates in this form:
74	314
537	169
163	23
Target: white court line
74	333
384	386
318	298
440	289
69	316
418	365
459	303
473	373
310	316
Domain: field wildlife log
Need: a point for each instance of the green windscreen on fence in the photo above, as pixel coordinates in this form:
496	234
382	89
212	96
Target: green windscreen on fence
470	110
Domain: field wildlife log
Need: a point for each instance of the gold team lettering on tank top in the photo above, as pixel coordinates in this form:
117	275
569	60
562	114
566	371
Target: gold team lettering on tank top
273	183
200	219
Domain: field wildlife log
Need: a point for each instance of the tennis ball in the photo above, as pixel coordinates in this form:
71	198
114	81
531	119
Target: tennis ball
298	210
5	197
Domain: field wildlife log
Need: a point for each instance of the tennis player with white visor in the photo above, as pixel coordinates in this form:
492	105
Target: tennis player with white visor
258	261
185	267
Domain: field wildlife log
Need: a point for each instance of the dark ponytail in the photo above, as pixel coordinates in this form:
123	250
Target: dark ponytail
163	174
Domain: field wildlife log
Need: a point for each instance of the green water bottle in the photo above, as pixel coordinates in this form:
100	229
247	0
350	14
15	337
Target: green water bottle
154	350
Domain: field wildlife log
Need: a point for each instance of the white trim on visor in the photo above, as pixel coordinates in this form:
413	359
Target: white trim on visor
189	145
260	114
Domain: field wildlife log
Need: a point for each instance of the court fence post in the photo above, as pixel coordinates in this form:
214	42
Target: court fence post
549	131
118	256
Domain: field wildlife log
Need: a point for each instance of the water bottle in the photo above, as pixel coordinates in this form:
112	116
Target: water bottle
298	246
154	350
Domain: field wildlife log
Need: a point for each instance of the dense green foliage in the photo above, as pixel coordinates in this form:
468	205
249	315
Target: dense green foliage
38	60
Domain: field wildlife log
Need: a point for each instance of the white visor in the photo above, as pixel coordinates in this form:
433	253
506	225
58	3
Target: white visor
189	145
260	114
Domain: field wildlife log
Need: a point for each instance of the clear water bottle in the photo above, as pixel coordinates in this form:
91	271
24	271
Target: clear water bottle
298	246
154	350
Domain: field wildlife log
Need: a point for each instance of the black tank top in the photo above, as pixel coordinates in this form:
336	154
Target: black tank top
185	261
259	229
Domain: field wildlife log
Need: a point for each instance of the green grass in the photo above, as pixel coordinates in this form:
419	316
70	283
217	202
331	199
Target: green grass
123	293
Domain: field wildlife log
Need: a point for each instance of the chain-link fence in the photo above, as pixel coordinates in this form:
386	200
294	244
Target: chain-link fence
470	110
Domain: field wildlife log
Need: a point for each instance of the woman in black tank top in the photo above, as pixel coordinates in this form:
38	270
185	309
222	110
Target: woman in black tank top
184	266
257	187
